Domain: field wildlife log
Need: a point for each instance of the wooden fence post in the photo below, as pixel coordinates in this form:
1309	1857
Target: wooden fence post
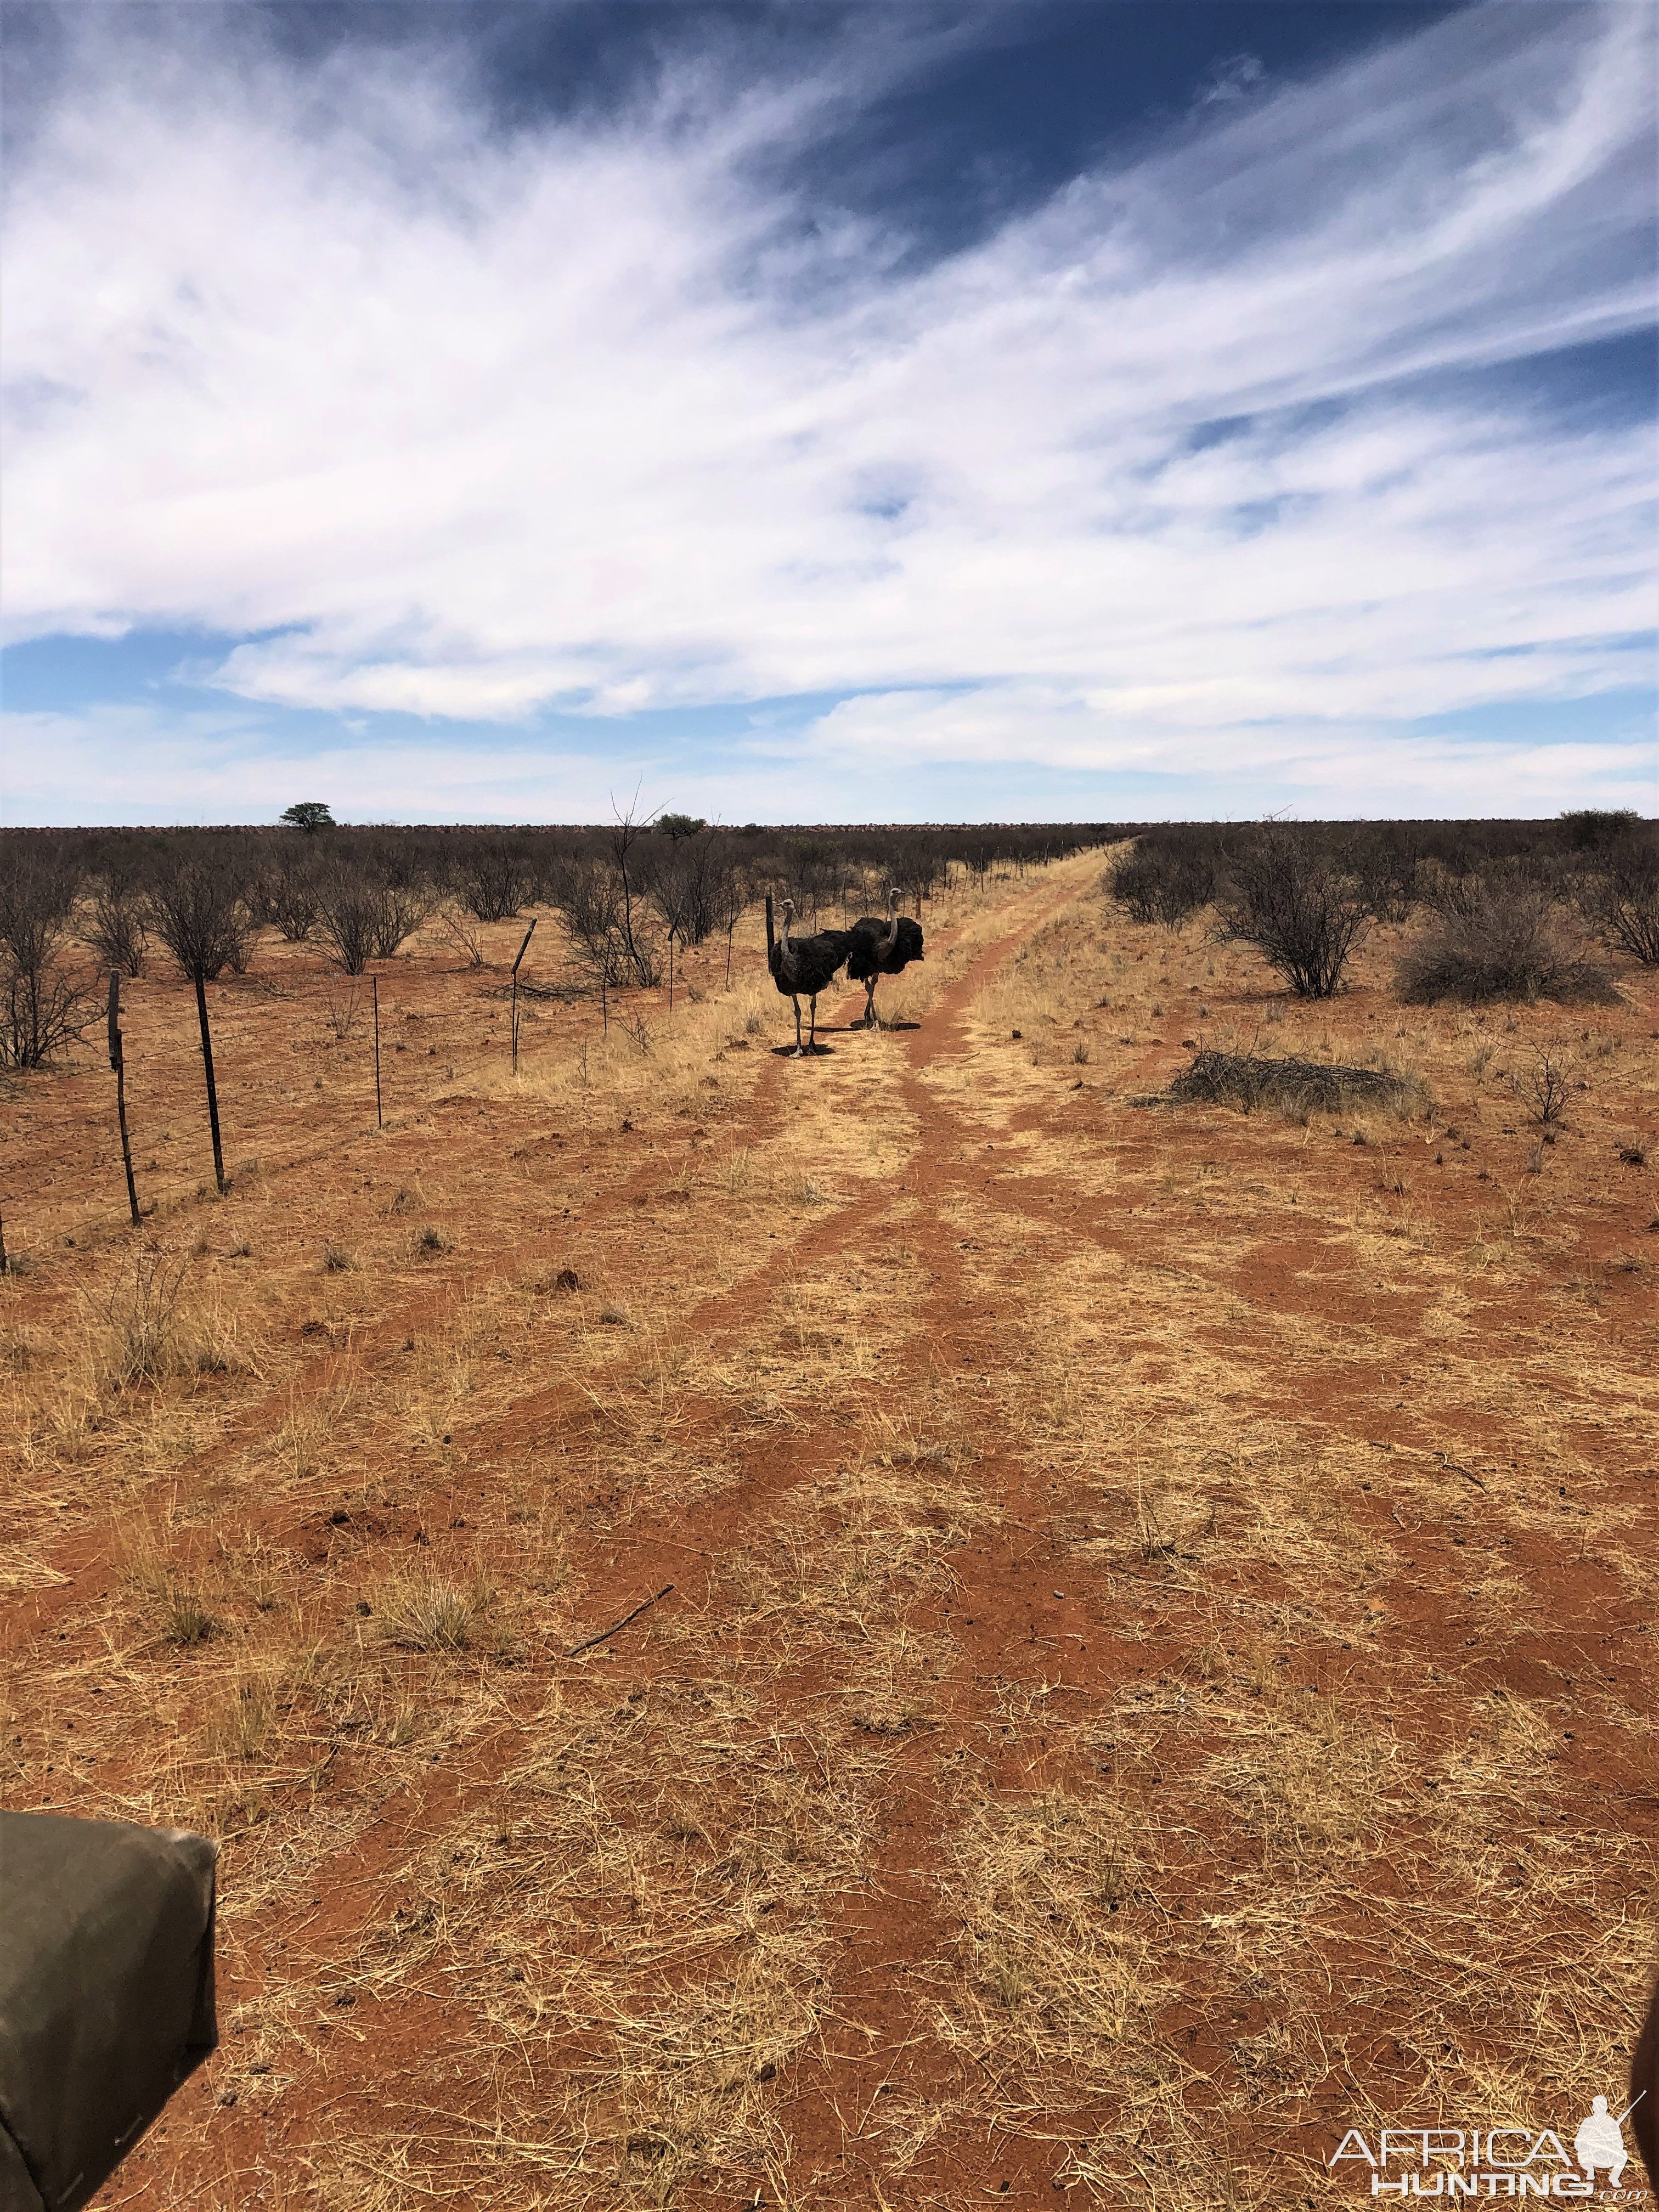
523	949
118	1061
374	995
212	1088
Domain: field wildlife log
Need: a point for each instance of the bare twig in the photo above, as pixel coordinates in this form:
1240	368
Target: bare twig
605	1634
1452	1466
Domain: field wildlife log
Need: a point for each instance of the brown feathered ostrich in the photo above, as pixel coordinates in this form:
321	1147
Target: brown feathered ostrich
882	948
802	966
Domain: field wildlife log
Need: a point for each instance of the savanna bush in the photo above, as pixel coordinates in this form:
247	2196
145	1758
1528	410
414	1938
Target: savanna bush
1288	893
1169	875
1499	935
1621	895
42	1007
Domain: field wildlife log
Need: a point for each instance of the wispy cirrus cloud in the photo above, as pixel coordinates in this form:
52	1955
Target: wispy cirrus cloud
1200	458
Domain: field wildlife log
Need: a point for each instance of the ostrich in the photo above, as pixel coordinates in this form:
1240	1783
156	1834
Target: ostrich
802	966
882	948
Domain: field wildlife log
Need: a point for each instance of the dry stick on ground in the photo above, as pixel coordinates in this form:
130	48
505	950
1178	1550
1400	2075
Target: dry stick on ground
617	1627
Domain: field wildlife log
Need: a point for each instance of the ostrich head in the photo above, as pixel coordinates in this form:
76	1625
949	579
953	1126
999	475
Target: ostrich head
892	917
789	922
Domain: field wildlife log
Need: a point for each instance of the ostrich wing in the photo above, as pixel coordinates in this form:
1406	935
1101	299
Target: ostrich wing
820	957
867	934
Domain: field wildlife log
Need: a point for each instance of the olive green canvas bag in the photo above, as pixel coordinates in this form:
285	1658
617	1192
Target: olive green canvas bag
106	1994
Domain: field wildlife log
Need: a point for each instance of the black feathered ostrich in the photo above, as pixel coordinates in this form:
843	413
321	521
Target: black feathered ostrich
802	966
882	948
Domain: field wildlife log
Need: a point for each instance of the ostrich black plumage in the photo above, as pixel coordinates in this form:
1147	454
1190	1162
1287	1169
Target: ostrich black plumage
802	966
882	948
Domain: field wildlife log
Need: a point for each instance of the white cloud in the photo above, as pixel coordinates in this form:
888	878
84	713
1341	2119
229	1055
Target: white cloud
588	417
1357	767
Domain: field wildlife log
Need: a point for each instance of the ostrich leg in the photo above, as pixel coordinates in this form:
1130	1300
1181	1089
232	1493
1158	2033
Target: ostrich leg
795	1002
812	1032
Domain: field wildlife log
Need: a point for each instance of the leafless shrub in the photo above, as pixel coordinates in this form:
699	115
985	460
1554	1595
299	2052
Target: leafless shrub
42	1012
596	910
461	927
494	877
1498	936
362	918
114	927
588	900
639	953
1164	878
694	886
42	1008
196	906
343	1007
1543	1087
1385	861
1292	899
288	891
1621	897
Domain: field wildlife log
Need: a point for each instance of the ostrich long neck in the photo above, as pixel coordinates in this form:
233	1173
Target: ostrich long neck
890	941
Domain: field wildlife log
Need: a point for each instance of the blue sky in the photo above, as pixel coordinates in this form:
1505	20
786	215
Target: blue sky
1130	409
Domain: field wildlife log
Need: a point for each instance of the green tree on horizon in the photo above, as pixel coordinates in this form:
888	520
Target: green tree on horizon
309	814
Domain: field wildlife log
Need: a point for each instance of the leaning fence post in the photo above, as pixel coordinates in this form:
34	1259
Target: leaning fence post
670	967
523	949
118	1061
212	1090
